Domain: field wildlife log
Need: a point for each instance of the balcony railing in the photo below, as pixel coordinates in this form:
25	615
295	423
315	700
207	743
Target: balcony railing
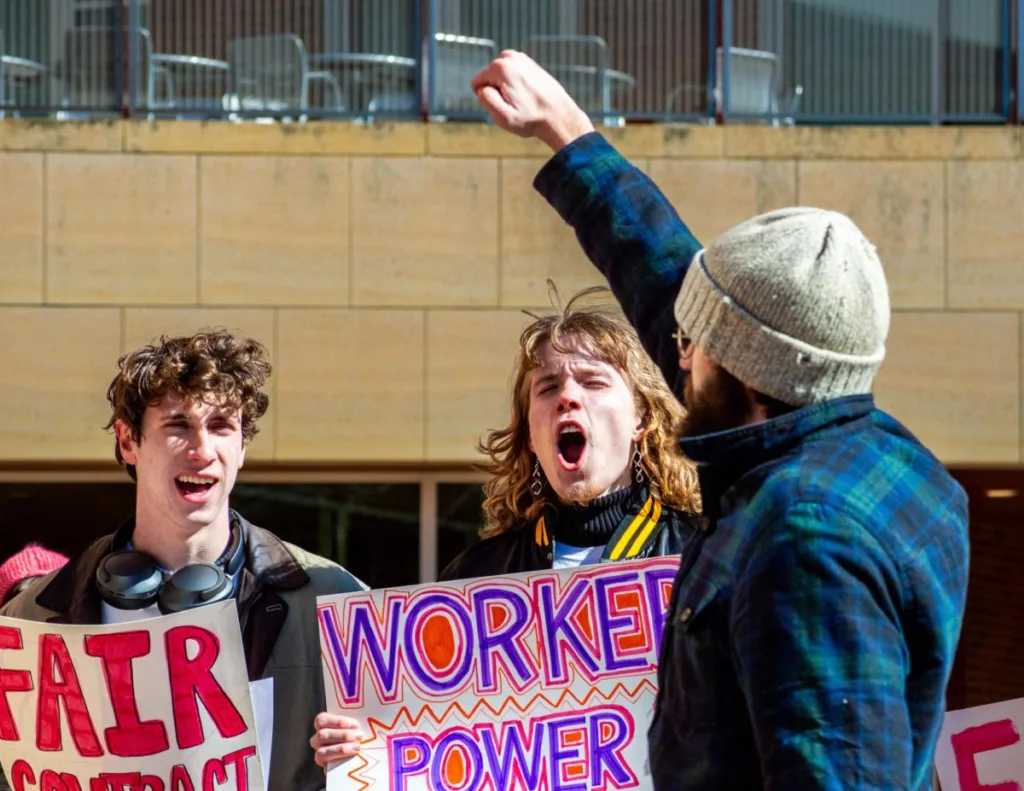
761	61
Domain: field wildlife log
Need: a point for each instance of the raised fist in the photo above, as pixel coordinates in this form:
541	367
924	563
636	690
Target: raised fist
524	99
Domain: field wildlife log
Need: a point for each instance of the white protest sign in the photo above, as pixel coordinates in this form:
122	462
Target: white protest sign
154	705
543	680
261	692
981	748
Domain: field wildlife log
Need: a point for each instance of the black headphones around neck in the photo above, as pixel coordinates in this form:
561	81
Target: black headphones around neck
132	580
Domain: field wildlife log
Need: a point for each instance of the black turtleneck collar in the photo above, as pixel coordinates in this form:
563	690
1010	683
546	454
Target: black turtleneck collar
589	525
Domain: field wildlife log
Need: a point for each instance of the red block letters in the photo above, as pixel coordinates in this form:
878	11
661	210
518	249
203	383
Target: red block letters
130	738
11	681
192	679
981	739
58	682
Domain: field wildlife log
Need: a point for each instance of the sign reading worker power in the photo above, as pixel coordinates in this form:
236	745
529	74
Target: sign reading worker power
152	705
543	680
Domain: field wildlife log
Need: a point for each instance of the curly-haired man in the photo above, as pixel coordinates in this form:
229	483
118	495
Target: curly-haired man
184	411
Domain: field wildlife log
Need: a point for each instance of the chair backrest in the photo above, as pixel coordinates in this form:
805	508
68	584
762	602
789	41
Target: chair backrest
405	102
568	49
95	67
578	62
751	80
269	72
3	77
457	59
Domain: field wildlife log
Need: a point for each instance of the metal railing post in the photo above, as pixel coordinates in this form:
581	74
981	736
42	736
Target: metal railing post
712	109
936	76
418	38
133	55
431	64
726	44
1018	83
118	55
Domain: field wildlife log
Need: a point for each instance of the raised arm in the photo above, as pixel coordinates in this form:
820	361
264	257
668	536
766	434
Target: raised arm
624	223
631	233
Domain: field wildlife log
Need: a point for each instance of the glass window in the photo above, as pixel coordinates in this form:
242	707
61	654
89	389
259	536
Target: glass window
65	517
370	529
459	519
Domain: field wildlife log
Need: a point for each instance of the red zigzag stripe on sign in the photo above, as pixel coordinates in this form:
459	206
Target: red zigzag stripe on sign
379	727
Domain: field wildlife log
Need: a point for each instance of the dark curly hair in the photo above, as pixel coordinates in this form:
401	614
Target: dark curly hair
208	363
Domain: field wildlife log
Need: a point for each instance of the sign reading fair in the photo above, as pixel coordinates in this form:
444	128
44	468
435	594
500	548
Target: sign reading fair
543	680
153	705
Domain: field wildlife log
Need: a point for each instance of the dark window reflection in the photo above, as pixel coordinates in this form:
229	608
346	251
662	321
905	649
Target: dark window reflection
65	517
459	519
370	529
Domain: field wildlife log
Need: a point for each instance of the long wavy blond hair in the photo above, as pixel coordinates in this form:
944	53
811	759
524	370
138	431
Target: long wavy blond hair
508	502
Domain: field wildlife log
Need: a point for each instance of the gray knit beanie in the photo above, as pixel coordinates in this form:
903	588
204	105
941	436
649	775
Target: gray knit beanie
793	303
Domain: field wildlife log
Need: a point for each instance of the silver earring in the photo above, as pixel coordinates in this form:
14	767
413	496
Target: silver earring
537	486
638	470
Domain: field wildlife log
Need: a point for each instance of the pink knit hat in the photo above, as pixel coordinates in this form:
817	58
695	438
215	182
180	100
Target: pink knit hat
32	561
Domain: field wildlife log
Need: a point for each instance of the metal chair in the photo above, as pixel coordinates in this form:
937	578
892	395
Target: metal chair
91	74
753	92
580	63
270	76
457	59
393	102
753	89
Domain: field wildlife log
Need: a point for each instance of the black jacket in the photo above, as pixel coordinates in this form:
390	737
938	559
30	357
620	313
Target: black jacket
650	530
277	599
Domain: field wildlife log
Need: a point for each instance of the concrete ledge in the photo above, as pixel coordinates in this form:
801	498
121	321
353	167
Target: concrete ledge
479	140
413	138
25	134
636	140
667	141
872	142
317	138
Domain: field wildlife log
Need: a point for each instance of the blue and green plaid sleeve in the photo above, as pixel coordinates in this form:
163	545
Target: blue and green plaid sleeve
821	657
631	233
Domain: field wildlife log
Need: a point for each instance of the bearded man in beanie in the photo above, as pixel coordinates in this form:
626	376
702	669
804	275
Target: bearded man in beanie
813	625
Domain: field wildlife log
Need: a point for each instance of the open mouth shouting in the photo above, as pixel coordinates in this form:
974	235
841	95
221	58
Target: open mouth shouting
195	488
572	443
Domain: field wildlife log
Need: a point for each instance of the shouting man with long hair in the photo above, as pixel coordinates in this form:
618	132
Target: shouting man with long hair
588	469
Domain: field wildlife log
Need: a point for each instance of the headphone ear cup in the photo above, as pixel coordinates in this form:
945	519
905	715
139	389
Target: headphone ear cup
236	554
195	585
128	580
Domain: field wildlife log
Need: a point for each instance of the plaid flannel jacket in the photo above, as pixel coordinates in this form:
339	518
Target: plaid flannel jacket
813	627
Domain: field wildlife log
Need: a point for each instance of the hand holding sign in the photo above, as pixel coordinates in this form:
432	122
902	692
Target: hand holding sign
337	738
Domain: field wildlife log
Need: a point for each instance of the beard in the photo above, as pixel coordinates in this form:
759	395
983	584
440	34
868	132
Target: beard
722	403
